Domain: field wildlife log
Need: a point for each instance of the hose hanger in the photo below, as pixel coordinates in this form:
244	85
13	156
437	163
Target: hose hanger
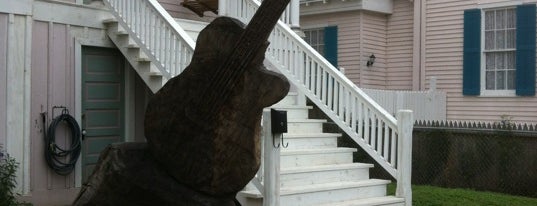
61	160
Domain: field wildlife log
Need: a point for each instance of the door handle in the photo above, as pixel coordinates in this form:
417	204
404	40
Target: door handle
83	134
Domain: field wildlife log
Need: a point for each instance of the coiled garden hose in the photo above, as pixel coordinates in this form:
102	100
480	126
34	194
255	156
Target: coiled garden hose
62	161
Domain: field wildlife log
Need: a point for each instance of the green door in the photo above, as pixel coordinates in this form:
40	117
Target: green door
102	103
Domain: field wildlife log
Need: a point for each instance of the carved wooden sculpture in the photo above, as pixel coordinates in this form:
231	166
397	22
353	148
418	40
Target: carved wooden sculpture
202	127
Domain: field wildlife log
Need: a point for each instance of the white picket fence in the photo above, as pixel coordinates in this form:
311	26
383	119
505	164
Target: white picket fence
427	105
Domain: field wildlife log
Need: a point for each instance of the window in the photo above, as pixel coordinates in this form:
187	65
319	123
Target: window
499	51
324	40
315	37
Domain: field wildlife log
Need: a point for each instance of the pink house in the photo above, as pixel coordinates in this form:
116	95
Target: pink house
415	40
73	54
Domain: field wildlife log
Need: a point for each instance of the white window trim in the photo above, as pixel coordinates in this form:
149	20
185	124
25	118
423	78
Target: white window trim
494	5
484	92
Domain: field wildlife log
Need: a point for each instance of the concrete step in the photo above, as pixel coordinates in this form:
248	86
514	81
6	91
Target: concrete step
310	140
294	111
305	125
290	99
315	157
327	193
311	175
375	201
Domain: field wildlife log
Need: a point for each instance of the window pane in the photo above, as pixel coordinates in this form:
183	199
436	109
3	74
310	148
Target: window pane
511	18
489	40
500	39
500	80
320	49
500	19
510	60
490	61
510	39
307	37
490	80
489	20
313	38
500	61
511	79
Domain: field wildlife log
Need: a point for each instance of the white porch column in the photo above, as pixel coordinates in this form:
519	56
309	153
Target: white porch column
294	7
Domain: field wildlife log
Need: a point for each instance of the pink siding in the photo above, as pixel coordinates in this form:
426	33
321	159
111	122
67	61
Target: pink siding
374	32
400	46
177	11
52	84
360	34
3	76
444	38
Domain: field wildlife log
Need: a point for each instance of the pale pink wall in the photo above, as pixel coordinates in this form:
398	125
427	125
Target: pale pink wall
443	59
400	46
374	41
3	76
52	85
360	34
348	38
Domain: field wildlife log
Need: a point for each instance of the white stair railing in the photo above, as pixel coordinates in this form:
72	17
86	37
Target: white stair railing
368	124
150	26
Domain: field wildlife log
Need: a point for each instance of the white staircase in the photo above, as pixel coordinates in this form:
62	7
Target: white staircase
136	57
314	171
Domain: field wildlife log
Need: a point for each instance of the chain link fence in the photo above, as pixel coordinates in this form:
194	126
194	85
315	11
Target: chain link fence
487	159
497	157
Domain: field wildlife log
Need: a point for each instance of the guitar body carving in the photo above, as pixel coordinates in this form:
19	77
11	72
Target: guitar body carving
218	152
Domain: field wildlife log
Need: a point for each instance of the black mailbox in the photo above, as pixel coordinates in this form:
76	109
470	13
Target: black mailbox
278	121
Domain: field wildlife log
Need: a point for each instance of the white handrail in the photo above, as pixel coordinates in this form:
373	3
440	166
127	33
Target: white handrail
166	44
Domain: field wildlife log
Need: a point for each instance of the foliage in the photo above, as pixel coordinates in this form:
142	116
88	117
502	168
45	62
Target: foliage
8	167
429	195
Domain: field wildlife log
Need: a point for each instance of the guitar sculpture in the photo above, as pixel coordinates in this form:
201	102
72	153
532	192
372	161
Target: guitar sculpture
203	126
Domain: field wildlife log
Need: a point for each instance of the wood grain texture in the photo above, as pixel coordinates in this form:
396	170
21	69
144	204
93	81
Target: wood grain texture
127	174
220	158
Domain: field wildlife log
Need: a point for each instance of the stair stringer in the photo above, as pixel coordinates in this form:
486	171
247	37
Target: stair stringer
137	58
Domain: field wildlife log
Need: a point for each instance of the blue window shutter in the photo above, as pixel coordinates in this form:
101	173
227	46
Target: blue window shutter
525	50
330	44
471	66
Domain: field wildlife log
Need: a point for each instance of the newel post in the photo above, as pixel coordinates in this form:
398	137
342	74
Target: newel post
405	125
271	179
222	8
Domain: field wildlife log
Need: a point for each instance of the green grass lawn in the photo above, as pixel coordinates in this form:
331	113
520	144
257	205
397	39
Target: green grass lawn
428	195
